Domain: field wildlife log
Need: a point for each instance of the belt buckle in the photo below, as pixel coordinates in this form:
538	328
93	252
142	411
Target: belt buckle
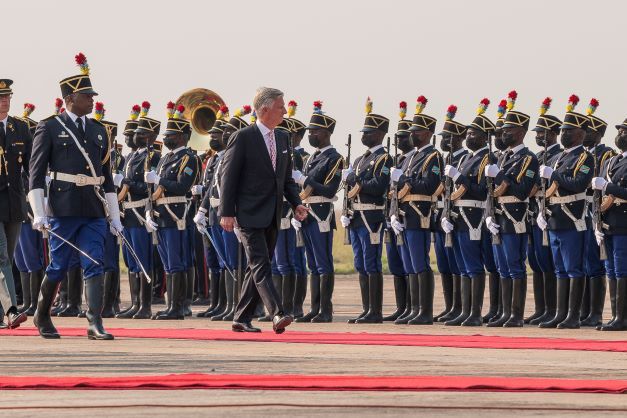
81	180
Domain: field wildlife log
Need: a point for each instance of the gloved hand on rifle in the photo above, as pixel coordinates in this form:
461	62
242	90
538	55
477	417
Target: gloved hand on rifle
447	226
345	221
397	226
492	225
542	224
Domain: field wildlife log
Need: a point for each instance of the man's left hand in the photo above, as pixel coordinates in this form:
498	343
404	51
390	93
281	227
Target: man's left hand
301	212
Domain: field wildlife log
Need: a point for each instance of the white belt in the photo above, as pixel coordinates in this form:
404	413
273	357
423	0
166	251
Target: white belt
469	203
319	199
418	198
214	202
589	198
511	199
135	204
440	204
367	206
557	200
171	199
78	179
618	201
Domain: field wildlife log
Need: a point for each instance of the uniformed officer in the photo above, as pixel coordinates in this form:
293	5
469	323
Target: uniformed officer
369	183
514	178
15	152
112	246
471	241
301	156
75	150
29	253
453	135
539	251
404	143
594	268
206	213
420	176
568	218
320	179
134	196
173	179
612	181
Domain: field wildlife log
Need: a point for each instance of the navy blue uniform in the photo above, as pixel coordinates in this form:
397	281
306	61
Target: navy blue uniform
615	217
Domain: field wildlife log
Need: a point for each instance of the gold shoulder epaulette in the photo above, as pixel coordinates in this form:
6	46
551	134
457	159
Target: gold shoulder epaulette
428	160
338	164
523	170
482	166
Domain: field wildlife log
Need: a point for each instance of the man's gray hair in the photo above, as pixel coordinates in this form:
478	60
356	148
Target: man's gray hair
265	97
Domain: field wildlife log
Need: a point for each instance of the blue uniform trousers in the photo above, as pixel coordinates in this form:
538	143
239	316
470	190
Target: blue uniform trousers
29	253
445	257
567	247
284	252
474	257
592	264
319	247
367	256
393	251
88	234
173	248
415	250
616	263
112	253
512	255
141	241
540	258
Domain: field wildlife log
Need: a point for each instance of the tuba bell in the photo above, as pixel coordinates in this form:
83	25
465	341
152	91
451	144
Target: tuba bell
201	107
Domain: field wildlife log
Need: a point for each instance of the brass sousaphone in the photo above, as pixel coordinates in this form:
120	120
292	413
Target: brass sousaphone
201	108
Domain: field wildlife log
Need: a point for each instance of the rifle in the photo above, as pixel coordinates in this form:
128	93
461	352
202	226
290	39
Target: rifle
394	209
596	211
300	241
346	210
542	200
489	210
149	152
448	189
386	233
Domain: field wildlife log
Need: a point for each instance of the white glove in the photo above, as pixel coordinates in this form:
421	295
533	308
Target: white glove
117	179
546	172
296	224
452	172
345	220
599	236
238	233
447	226
492	225
48	180
151	226
115	226
492	170
197	189
299	177
396	225
151	177
395	174
599	183
542	224
40	223
200	218
346	172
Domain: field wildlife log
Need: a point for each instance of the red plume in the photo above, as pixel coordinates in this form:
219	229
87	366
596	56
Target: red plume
574	99
80	58
485	101
99	105
422	99
136	108
292	103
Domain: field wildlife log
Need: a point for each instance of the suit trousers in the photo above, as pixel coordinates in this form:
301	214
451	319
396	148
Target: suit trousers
259	246
9	232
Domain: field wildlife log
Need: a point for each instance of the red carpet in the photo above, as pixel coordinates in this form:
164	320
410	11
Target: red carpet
303	337
318	383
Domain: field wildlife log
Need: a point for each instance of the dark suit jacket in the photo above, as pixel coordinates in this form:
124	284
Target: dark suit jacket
251	190
55	150
17	151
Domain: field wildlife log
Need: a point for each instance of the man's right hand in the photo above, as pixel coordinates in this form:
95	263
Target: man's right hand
40	223
227	223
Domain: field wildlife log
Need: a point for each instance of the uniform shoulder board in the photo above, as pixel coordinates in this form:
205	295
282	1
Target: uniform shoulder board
382	159
580	163
20	121
607	154
335	170
523	169
484	162
431	156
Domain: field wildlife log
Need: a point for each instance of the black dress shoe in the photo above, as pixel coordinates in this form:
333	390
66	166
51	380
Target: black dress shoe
280	321
244	327
14	319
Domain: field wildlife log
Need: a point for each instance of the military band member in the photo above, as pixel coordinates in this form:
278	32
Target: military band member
612	182
172	180
514	178
369	183
420	175
15	154
453	134
568	219
404	143
75	150
134	196
539	251
206	217
320	179
594	268
29	253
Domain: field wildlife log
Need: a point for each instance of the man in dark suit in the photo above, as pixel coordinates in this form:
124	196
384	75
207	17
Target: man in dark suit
15	148
257	175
